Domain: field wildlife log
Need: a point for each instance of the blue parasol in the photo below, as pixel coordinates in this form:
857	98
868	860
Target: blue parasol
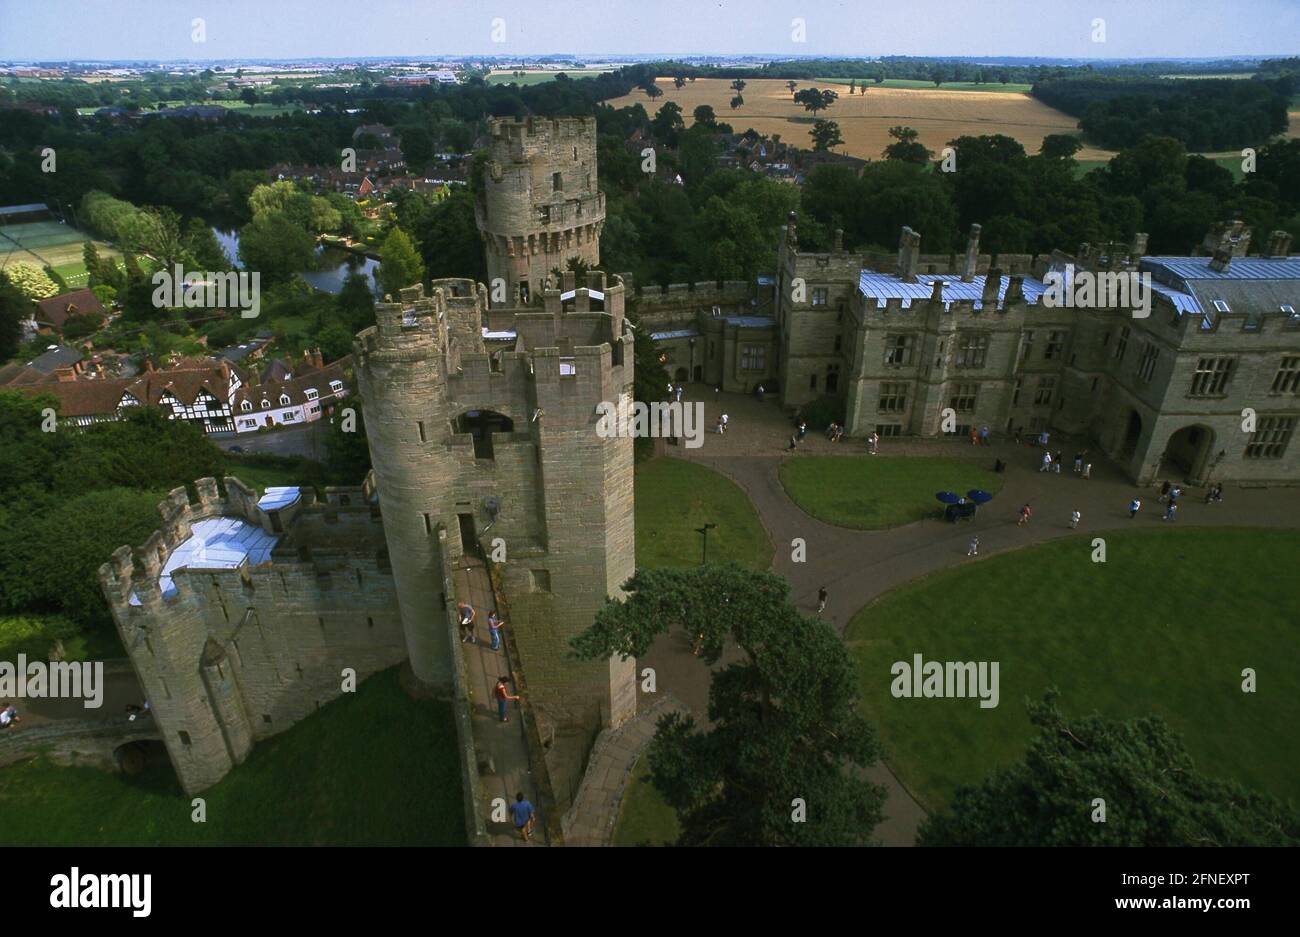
978	496
948	497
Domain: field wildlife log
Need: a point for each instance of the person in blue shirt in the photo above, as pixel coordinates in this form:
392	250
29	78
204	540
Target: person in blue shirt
524	816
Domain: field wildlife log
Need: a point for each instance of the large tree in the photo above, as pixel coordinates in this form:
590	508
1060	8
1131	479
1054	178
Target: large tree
816	99
1137	770
277	247
399	264
781	761
825	135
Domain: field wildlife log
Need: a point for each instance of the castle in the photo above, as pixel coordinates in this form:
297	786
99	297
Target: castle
241	613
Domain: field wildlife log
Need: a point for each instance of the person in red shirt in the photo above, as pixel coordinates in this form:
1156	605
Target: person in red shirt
1025	514
503	696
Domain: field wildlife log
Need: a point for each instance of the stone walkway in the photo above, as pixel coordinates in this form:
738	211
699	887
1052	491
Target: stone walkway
591	819
856	567
505	767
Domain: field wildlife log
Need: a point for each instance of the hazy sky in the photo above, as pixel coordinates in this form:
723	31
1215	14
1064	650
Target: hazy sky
161	29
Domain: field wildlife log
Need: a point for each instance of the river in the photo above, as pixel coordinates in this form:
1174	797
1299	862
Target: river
335	264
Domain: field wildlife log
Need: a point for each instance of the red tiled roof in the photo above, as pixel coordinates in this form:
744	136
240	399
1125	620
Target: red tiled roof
56	310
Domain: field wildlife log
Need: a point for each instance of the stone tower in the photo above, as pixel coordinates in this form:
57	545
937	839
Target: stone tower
484	425
539	206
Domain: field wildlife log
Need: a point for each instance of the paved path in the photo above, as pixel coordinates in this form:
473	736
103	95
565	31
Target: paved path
502	743
858	566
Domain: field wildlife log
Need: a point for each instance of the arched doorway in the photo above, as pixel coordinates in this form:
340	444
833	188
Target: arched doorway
481	424
680	377
1187	453
1132	434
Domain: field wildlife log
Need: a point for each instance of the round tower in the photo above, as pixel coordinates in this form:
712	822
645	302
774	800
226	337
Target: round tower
402	368
539	206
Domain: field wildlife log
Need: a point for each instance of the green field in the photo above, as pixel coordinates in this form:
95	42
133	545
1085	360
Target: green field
374	768
260	109
993	87
644	819
1165	626
50	243
537	78
675	497
865	493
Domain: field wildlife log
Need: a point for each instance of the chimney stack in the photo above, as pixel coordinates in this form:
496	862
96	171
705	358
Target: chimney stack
1220	261
972	255
65	375
909	254
1279	244
1138	249
992	286
839	240
1015	291
316	358
148	364
936	291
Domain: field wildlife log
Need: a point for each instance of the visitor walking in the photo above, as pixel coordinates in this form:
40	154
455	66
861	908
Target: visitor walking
1042	439
1170	511
1164	492
1074	519
873	442
1056	462
524	816
803	430
830	431
1025	514
1133	507
974	548
503	696
1175	493
821	600
467	616
725	420
1047	462
9	717
494	629
679	393
1087	471
984	436
794	442
974	436
721	426
1078	462
760	392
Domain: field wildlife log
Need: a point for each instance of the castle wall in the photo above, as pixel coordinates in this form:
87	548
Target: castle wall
238	655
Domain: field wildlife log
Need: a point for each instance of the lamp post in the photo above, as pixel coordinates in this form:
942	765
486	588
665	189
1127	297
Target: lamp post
704	531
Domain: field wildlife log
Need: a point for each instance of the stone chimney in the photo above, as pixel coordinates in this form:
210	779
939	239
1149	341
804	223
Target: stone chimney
148	365
1015	291
972	255
838	244
1220	261
909	254
1232	238
992	286
65	375
316	358
1138	249
1279	244
936	291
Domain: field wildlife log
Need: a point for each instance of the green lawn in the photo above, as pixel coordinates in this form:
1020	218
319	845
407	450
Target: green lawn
644	819
864	493
675	497
374	768
1165	626
1009	88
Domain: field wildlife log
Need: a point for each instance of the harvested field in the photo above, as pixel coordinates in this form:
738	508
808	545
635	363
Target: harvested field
936	114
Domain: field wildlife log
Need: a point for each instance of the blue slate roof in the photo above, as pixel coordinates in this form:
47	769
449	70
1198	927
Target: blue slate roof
750	322
216	543
1240	268
275	498
677	333
885	286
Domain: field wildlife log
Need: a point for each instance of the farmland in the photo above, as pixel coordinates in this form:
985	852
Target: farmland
937	114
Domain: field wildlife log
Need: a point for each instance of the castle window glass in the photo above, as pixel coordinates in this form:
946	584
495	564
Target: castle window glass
893	398
972	350
898	349
1121	343
1270	438
557	182
1026	345
820	296
1046	387
963	397
1147	364
1055	345
1211	377
753	357
1287	378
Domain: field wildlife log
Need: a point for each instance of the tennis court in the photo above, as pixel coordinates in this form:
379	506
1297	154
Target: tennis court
49	242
